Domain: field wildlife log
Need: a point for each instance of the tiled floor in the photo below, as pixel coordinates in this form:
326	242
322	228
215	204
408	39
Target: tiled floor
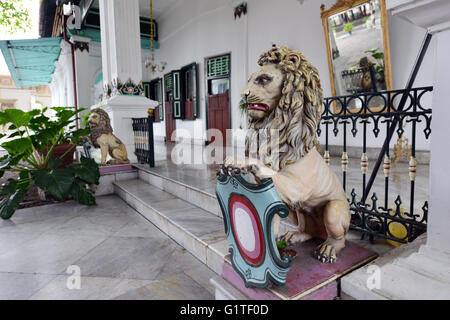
120	255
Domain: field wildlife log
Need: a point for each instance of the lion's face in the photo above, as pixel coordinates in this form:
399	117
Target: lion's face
263	91
94	119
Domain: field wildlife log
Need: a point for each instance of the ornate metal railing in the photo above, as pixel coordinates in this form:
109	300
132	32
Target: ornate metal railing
144	147
374	110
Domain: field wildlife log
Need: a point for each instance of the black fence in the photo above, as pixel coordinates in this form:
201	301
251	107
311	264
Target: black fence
143	140
386	111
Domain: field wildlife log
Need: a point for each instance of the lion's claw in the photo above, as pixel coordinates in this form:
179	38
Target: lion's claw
326	253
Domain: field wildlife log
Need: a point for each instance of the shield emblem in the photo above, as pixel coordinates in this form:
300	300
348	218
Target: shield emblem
248	210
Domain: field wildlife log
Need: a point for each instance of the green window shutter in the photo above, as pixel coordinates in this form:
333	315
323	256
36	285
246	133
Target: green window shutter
178	111
168	82
219	66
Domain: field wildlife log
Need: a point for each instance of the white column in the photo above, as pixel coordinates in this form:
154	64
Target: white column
83	72
439	217
421	270
66	66
121	63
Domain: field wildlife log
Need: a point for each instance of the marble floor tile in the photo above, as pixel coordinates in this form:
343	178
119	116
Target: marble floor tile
127	258
48	253
178	287
91	288
21	286
138	226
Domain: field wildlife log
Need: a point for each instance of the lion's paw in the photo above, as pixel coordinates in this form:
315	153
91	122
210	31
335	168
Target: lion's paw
326	253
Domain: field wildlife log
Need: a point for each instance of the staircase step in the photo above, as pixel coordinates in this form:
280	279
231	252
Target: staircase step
202	196
194	228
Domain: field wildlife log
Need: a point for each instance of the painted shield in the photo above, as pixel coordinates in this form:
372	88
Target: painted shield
248	210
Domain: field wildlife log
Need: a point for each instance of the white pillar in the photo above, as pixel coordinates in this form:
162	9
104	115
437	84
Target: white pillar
421	270
122	65
439	217
83	72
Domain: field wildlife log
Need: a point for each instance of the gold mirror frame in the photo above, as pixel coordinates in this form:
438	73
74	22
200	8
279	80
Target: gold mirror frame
343	5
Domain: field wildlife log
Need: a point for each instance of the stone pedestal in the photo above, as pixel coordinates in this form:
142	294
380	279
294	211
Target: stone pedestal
308	278
421	270
121	109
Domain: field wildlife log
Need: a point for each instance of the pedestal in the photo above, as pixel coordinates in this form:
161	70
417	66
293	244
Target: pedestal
121	109
308	278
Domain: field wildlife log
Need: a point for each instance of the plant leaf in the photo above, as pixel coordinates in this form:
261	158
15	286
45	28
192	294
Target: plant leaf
17	146
56	182
81	194
10	205
9	188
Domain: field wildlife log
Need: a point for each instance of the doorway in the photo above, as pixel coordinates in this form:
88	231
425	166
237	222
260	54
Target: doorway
218	96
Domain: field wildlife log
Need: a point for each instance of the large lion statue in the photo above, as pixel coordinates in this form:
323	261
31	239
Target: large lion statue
284	99
102	137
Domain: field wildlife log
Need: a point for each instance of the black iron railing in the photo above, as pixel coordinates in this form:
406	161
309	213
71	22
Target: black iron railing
144	147
391	111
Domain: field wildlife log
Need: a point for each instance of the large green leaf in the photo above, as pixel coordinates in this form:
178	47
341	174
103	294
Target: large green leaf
81	194
18	117
87	170
10	204
18	146
56	182
9	188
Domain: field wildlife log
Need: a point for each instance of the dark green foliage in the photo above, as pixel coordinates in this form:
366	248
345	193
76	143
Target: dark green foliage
30	145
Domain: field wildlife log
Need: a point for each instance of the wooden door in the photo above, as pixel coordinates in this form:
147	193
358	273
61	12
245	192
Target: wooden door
170	121
219	114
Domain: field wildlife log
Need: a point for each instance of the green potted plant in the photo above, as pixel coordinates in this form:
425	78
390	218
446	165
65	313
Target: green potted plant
348	27
31	142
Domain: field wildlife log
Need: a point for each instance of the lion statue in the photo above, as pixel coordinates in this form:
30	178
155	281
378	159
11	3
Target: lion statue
284	99
102	137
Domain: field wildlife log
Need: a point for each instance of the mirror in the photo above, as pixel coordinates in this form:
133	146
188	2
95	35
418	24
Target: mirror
357	41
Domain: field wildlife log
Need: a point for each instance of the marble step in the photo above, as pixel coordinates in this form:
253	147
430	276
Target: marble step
192	189
183	188
198	231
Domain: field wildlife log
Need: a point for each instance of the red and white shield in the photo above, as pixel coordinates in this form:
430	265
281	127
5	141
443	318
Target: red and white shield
247	229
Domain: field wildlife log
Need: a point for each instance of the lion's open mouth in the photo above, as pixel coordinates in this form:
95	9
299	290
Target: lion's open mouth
258	106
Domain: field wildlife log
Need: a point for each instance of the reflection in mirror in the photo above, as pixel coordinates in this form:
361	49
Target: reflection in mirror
356	36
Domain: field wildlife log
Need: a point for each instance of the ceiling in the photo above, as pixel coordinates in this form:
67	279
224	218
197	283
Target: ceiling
159	7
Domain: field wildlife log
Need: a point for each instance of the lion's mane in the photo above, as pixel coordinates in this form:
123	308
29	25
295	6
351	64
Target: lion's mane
297	115
103	127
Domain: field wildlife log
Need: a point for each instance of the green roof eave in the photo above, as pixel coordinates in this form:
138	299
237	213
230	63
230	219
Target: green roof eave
95	37
31	62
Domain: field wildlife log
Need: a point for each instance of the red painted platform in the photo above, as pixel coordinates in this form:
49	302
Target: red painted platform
308	278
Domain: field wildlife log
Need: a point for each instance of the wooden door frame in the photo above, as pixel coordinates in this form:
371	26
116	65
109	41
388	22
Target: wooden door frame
205	72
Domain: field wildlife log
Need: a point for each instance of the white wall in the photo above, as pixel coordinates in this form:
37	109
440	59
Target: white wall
192	30
195	29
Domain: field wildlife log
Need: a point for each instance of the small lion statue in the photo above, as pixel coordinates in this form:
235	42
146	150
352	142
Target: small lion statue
102	137
285	96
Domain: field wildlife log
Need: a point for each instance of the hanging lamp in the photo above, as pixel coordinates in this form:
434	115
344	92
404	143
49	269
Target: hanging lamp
150	62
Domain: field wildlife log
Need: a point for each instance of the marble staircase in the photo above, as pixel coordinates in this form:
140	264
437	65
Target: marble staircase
187	214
